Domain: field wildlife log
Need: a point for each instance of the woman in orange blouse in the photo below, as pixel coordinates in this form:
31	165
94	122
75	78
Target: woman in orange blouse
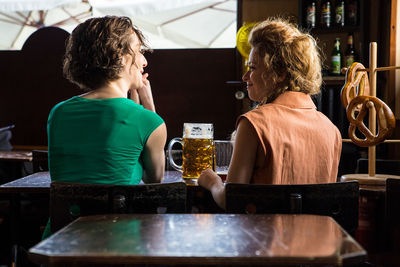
284	140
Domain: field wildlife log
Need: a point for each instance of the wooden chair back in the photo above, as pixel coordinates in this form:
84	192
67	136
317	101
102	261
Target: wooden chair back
68	201
40	160
338	200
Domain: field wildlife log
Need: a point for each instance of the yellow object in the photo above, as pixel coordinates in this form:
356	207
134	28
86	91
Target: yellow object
242	43
242	39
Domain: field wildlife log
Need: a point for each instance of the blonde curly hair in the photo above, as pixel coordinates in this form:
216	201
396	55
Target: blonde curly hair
290	53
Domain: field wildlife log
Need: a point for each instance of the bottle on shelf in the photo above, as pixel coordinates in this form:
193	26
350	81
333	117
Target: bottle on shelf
336	58
339	14
310	16
352	13
326	14
350	55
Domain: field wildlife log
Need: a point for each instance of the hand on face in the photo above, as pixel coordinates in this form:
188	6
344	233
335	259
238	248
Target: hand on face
145	89
145	94
141	93
133	94
146	83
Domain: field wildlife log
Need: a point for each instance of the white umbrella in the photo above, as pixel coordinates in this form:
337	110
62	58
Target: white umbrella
24	5
166	23
182	23
20	18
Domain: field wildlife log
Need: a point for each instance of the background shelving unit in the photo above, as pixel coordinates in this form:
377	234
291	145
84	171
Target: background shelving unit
329	101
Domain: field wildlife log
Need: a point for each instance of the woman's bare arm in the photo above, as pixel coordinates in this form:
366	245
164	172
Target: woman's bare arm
241	167
154	155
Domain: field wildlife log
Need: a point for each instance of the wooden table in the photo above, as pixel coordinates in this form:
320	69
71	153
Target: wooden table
200	239
15	164
16	155
199	200
37	185
38	182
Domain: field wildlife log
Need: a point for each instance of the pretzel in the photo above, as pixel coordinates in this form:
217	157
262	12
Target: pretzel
385	117
356	83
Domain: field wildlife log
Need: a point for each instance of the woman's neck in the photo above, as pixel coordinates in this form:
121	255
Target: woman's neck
115	89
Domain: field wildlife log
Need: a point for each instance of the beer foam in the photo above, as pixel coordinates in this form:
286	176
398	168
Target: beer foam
186	132
198	130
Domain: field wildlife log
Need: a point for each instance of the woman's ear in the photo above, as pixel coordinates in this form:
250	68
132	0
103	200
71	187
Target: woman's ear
124	59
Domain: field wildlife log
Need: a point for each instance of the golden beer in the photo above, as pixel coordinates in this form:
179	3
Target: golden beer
198	155
197	150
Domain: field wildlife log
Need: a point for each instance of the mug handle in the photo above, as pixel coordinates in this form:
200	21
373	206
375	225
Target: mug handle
171	159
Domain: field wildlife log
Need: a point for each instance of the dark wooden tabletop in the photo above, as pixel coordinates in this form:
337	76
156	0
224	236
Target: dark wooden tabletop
200	239
39	182
198	198
16	155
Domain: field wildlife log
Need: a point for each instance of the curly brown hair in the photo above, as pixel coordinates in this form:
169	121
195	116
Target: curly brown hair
287	52
95	48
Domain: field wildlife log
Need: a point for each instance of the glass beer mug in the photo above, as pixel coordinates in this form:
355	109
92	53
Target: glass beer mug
197	149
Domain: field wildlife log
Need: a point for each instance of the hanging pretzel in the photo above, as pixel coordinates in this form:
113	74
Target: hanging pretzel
386	120
356	83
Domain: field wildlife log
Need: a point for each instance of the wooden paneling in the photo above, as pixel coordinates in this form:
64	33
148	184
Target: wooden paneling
32	83
258	10
189	85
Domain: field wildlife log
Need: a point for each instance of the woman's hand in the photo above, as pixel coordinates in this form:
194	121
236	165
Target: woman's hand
133	94
145	94
208	179
211	181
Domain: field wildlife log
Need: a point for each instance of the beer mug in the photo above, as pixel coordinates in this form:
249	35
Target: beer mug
197	149
222	159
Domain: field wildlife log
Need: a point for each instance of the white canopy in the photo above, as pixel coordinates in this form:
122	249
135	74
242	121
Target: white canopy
30	5
166	23
20	18
188	23
141	7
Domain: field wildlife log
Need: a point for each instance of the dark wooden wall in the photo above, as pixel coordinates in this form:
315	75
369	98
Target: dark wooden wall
31	83
189	85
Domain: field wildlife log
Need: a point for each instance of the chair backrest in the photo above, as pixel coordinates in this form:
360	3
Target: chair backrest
393	214
40	160
338	200
68	201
